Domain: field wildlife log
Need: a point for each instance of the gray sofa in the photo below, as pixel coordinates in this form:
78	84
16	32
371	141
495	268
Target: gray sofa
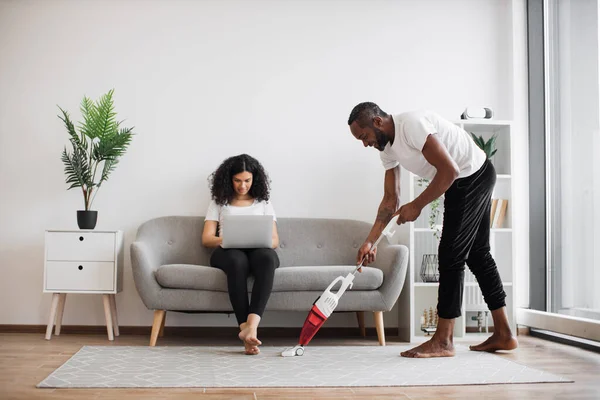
172	272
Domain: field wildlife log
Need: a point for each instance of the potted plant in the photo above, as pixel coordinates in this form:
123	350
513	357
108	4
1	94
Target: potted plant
98	143
489	146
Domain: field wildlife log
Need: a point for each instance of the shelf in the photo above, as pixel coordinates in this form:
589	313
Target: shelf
498	176
483	121
429	230
483	125
424	239
435	284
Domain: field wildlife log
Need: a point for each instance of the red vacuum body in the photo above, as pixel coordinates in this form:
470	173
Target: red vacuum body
325	304
313	323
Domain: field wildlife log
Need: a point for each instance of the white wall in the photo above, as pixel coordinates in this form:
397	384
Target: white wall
205	80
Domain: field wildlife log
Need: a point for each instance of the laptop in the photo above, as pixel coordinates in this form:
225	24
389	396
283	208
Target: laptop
247	231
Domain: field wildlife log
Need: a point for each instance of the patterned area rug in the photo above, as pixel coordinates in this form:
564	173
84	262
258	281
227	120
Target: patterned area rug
143	367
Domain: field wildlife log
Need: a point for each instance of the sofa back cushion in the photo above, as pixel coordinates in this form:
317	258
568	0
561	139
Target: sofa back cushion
303	241
314	241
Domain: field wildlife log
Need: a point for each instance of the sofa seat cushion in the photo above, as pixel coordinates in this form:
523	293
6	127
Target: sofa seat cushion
287	279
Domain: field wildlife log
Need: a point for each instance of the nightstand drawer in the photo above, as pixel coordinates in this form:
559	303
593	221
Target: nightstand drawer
74	246
80	276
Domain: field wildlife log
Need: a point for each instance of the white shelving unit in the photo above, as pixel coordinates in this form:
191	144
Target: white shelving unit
423	295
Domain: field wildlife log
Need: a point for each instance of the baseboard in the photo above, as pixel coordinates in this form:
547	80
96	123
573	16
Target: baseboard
521	330
474	329
566	339
195	331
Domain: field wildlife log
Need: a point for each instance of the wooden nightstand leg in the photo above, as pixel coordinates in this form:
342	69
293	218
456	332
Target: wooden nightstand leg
108	316
113	310
59	316
53	307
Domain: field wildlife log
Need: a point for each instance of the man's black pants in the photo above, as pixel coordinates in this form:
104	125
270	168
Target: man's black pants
466	238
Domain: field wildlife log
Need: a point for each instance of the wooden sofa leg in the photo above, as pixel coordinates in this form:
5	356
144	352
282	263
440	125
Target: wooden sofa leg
159	316
378	316
360	316
161	333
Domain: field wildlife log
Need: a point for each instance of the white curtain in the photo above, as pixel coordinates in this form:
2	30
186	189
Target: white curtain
577	101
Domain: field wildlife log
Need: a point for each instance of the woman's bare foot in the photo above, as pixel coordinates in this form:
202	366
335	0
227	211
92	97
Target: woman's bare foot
248	336
251	350
497	342
431	348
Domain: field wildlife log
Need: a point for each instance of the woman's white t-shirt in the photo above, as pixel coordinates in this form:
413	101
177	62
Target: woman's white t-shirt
215	212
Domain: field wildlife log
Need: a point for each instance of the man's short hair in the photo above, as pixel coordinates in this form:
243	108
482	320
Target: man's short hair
364	113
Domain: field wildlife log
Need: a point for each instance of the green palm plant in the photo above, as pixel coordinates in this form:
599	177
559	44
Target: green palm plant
489	147
97	147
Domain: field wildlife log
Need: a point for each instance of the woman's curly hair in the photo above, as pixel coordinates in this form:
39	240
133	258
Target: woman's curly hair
221	181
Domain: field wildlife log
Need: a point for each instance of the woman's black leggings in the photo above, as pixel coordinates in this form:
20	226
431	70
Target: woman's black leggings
466	238
238	264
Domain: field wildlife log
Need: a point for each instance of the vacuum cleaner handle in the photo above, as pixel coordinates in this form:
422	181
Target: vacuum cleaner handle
388	232
347	282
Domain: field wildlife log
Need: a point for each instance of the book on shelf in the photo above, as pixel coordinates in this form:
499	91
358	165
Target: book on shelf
498	213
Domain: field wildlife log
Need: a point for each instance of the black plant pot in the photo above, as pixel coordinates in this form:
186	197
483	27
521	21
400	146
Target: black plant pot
86	219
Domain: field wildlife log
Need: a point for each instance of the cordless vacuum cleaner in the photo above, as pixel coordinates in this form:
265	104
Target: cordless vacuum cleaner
327	302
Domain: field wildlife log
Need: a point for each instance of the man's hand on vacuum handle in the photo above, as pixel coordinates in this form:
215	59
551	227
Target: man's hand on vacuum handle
367	254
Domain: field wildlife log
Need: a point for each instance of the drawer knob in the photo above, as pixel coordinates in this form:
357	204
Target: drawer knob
81	238
80	267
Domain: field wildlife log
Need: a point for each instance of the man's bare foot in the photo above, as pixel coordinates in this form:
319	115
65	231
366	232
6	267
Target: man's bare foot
248	335
431	348
497	342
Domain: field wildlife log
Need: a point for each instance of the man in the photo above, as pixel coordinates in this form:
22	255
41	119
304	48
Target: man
436	149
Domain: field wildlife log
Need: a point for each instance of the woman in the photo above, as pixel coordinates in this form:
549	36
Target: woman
241	186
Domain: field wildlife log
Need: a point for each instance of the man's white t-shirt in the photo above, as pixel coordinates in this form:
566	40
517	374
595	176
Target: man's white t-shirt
413	128
215	212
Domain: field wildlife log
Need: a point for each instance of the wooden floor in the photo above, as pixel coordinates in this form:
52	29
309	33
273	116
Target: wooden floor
26	359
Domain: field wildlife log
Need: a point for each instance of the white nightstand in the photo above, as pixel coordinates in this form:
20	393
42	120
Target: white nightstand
83	261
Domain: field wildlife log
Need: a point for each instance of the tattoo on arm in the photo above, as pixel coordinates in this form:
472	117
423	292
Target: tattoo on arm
384	214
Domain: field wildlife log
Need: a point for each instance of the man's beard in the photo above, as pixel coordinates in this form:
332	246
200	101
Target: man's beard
382	139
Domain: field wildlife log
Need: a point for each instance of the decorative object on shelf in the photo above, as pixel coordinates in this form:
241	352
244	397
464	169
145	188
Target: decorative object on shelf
429	321
477	113
498	213
489	146
97	147
434	212
429	268
481	318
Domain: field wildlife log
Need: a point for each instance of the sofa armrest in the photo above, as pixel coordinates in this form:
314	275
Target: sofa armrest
143	264
393	261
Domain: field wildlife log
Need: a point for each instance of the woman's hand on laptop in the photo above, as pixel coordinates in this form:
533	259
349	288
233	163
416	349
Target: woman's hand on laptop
209	235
